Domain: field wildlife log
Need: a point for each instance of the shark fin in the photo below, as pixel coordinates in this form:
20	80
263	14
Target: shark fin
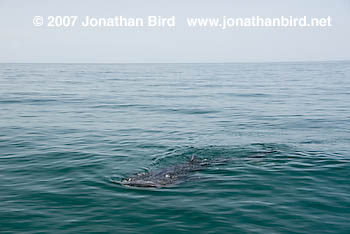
193	157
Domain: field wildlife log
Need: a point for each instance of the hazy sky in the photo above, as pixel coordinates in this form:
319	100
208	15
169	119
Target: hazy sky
20	41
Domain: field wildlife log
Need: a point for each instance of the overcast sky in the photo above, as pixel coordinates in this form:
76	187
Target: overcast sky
20	41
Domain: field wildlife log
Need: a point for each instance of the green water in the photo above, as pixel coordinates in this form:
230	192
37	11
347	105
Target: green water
68	130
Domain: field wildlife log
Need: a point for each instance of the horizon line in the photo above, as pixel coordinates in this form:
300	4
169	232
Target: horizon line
230	62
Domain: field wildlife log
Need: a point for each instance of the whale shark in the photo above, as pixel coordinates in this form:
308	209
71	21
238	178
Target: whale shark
178	173
164	177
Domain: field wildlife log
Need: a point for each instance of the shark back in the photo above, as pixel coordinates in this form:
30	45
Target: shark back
164	177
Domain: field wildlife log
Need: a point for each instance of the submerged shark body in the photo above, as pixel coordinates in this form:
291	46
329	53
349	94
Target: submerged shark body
164	177
178	173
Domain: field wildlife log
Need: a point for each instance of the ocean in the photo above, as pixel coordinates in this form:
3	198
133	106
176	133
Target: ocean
67	131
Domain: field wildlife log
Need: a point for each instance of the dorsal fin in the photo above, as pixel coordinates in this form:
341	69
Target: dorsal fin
193	157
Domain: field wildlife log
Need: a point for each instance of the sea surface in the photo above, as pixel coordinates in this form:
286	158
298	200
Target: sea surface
67	131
